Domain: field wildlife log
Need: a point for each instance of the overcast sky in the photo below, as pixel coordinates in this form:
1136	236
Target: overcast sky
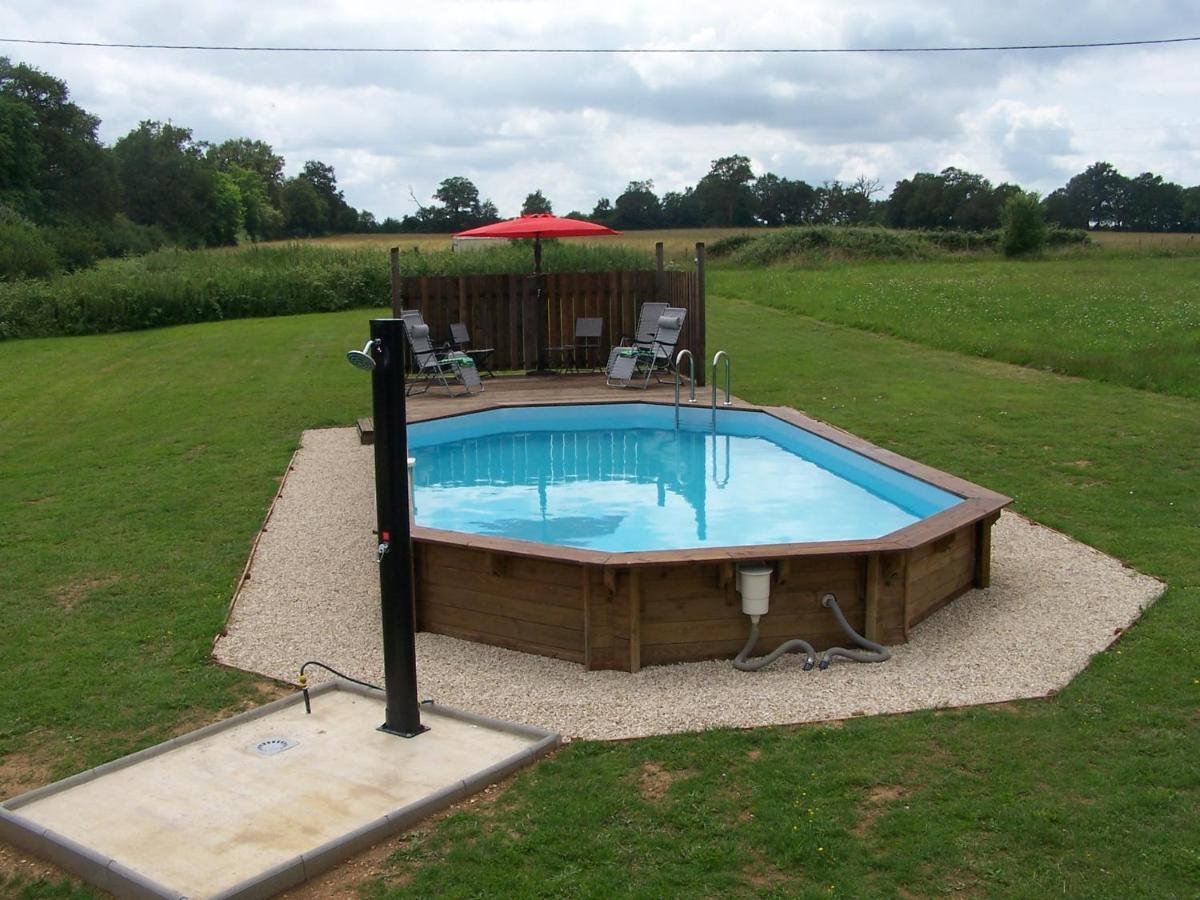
580	127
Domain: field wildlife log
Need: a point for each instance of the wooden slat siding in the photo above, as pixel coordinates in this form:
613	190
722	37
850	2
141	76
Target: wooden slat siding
893	577
635	622
602	651
585	590
555	597
619	603
871	597
531	312
819	628
936	578
439	596
983	551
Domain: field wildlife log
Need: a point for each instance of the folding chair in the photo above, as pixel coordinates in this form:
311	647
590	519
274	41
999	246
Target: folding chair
433	367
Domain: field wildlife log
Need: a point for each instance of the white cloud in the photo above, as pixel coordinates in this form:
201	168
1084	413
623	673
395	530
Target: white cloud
582	126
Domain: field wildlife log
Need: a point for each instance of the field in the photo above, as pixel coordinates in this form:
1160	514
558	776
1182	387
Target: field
678	243
137	468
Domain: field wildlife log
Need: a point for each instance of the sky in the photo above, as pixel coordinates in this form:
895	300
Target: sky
580	127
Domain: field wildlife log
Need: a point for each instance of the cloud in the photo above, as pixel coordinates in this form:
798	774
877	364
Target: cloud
581	126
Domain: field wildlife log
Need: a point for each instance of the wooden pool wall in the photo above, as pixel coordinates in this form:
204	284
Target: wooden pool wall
628	610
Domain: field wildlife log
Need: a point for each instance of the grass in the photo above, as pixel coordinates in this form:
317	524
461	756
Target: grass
179	287
679	244
1123	319
137	468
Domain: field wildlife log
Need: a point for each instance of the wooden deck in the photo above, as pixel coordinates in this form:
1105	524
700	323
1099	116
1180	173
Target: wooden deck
517	390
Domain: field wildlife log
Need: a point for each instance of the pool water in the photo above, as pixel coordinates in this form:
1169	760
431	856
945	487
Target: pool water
621	477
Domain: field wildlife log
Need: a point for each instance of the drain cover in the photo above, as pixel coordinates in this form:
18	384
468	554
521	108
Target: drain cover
271	746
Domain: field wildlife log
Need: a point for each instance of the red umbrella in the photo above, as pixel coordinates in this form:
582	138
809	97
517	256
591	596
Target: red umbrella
537	226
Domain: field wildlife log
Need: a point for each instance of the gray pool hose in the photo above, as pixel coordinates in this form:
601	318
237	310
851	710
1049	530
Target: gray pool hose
745	665
871	652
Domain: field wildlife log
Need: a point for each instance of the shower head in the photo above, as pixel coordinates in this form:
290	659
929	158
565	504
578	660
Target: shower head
362	359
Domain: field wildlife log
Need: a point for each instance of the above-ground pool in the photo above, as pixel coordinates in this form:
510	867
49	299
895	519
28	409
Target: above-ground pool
604	534
622	478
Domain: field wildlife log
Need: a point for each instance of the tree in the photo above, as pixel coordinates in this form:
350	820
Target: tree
680	209
724	194
340	216
253	156
305	212
20	156
460	208
602	212
75	177
1095	198
260	219
167	182
1152	204
1023	228
536	203
637	207
228	211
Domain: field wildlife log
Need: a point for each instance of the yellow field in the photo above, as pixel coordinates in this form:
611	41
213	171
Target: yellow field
678	244
1127	240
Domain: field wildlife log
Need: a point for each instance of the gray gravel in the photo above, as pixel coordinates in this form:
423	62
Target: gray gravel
314	594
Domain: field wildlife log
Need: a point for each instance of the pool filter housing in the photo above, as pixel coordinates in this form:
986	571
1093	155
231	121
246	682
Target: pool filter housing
754	584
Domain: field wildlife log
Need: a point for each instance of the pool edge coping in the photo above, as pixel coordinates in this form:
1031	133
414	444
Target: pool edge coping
979	503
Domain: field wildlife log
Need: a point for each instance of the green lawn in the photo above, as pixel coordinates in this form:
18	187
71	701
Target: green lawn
135	469
1115	317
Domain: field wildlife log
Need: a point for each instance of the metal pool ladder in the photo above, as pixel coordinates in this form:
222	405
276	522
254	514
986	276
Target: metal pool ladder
721	355
678	379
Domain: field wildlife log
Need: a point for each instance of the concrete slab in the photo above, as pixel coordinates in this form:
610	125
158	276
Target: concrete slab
212	815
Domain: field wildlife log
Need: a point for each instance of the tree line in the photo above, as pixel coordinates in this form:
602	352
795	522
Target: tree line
732	196
66	198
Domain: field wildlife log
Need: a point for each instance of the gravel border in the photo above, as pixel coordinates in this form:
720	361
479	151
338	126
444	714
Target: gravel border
313	593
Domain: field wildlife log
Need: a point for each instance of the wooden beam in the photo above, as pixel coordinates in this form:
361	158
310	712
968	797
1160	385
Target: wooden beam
983	552
871	629
635	621
586	590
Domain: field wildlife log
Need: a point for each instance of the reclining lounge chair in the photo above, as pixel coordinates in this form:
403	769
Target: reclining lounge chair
433	367
628	365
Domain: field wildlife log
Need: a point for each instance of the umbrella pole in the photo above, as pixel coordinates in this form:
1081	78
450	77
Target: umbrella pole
540	288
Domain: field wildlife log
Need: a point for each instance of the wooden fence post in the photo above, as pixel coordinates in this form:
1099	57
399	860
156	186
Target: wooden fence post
397	299
660	274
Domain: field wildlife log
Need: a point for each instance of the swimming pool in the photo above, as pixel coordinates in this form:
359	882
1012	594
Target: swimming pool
626	479
601	534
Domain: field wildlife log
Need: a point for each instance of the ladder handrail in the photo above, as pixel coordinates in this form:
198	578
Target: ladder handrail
678	379
721	354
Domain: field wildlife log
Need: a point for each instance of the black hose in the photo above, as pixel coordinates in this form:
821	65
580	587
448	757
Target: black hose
741	663
871	652
342	675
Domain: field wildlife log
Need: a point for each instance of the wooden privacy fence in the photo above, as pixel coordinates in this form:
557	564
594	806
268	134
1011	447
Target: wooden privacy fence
503	311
